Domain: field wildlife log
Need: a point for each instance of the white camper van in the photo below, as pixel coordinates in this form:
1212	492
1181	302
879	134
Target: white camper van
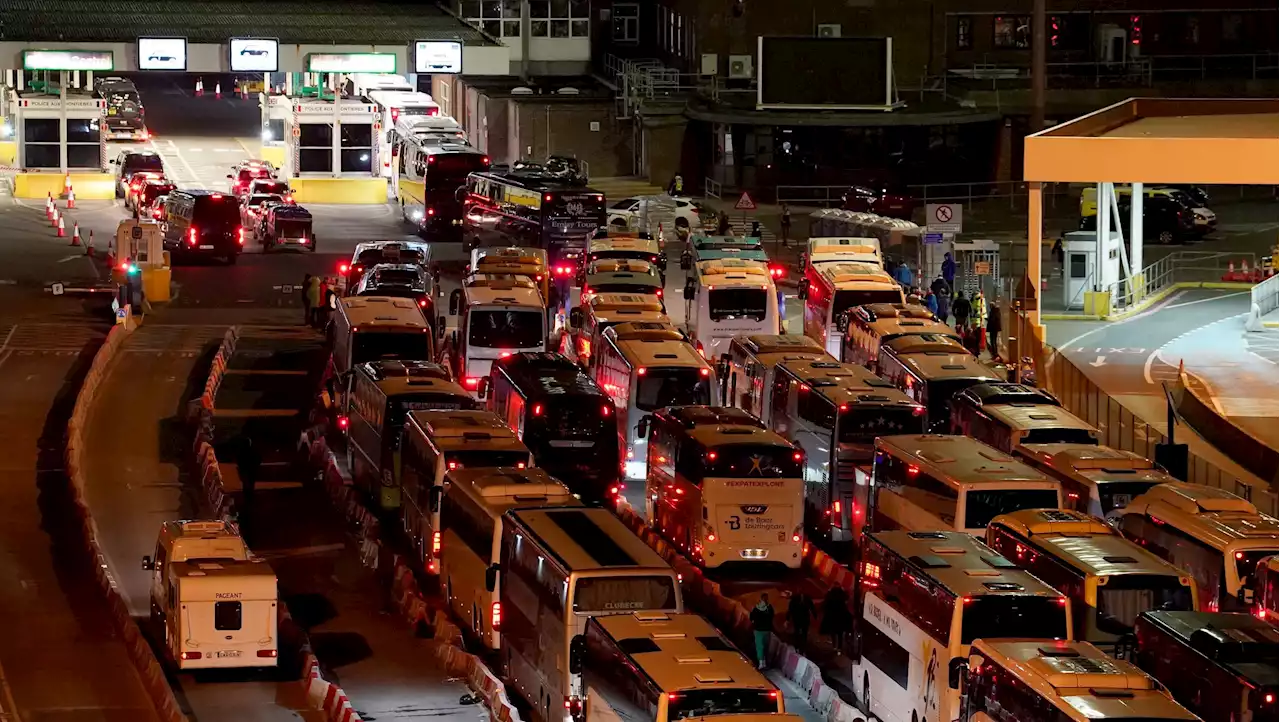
216	603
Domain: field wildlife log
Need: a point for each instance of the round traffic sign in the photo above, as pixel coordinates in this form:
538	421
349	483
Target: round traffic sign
943	213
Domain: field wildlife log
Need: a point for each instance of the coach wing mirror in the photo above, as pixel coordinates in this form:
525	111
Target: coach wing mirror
642	427
575	318
229	176
433	498
803	292
455	301
491	577
147	564
577	654
482	388
957	670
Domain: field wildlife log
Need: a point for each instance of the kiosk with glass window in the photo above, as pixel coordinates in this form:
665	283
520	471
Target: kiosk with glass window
332	139
59	135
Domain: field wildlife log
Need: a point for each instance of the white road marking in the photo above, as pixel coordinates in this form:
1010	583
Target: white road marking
8	338
71	258
195	150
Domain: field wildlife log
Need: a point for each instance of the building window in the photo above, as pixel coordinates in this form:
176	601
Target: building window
559	18
84	147
40	140
964	33
499	18
357	148
315	148
1012	31
626	23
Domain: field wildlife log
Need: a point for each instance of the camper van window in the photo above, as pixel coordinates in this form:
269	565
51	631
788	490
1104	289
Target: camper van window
226	616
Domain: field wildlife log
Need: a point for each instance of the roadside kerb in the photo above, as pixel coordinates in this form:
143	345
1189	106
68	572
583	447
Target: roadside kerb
402	584
144	660
730	615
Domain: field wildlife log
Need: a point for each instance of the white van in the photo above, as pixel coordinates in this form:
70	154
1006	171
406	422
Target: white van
216	603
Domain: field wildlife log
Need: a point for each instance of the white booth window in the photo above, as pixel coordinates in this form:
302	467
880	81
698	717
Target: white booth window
40	139
1079	265
275	127
357	147
315	148
84	143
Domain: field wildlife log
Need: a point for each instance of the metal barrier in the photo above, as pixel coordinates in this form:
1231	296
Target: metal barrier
1266	295
1014	191
1177	267
1121	429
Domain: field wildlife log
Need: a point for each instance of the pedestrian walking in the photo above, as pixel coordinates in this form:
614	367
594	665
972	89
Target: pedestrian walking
755	229
835	616
313	300
722	227
979	310
676	187
800	611
786	225
1059	254
248	466
761	626
903	275
307	312
931	302
323	308
944	301
960	308
993	330
949	270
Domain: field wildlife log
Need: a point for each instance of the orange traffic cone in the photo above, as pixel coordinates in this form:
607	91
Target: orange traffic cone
217	90
199	87
111	249
88	249
75	234
71	198
62	227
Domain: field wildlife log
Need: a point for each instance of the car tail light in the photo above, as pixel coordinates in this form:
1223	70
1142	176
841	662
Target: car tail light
422	302
343	268
191	236
705	372
240	236
797	456
267	653
795	538
605	410
641	371
912	470
547	198
659	293
537	409
156	213
773	694
303	241
495	615
395	115
191	655
343	422
435	542
484	160
454	465
711	537
431	211
471	382
917	411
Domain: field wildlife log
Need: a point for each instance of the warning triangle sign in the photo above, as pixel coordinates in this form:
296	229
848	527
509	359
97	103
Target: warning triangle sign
745	203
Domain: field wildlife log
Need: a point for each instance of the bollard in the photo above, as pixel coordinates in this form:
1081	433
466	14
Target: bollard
75	234
62	227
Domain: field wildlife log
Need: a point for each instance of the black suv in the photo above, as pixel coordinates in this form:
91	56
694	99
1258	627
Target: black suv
126	118
134	161
203	223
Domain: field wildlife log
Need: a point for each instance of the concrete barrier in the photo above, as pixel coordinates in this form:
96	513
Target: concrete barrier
274	154
88	186
402	584
144	660
1197	408
339	190
8	153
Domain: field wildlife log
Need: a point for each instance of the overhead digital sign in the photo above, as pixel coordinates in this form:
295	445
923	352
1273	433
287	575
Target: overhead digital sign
162	54
68	60
255	55
437	56
351	63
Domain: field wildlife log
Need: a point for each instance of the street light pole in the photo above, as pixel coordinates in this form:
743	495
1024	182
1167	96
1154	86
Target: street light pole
1038	40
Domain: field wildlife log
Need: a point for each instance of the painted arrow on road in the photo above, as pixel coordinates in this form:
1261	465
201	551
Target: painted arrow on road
1101	361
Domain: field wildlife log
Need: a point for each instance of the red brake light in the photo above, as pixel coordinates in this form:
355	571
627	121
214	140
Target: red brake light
1062	601
712	456
268	653
343	268
1270	698
912	470
835	507
454	465
343	422
422	303
773	694
471	382
495	617
191	655
431	159
435	542
520	464
917	411
605	410
484	160
216	196
795	538
1239	555
191	235
547	198
706	372
797	456
241	237
431	211
537	409
673	696
659	293
641	371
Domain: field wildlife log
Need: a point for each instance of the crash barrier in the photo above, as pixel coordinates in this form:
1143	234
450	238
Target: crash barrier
1121	429
730	615
321	695
1196	406
372	191
89	186
140	654
1266	295
402	584
217	502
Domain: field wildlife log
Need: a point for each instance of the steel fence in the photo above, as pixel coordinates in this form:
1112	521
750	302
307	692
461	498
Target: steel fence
1177	267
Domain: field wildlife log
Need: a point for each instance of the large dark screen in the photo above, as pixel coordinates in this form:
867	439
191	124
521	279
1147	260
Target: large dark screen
822	71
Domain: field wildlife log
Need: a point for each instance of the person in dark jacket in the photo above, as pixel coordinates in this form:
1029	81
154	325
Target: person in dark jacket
308	313
949	270
248	466
761	627
944	301
993	330
800	611
836	617
960	308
